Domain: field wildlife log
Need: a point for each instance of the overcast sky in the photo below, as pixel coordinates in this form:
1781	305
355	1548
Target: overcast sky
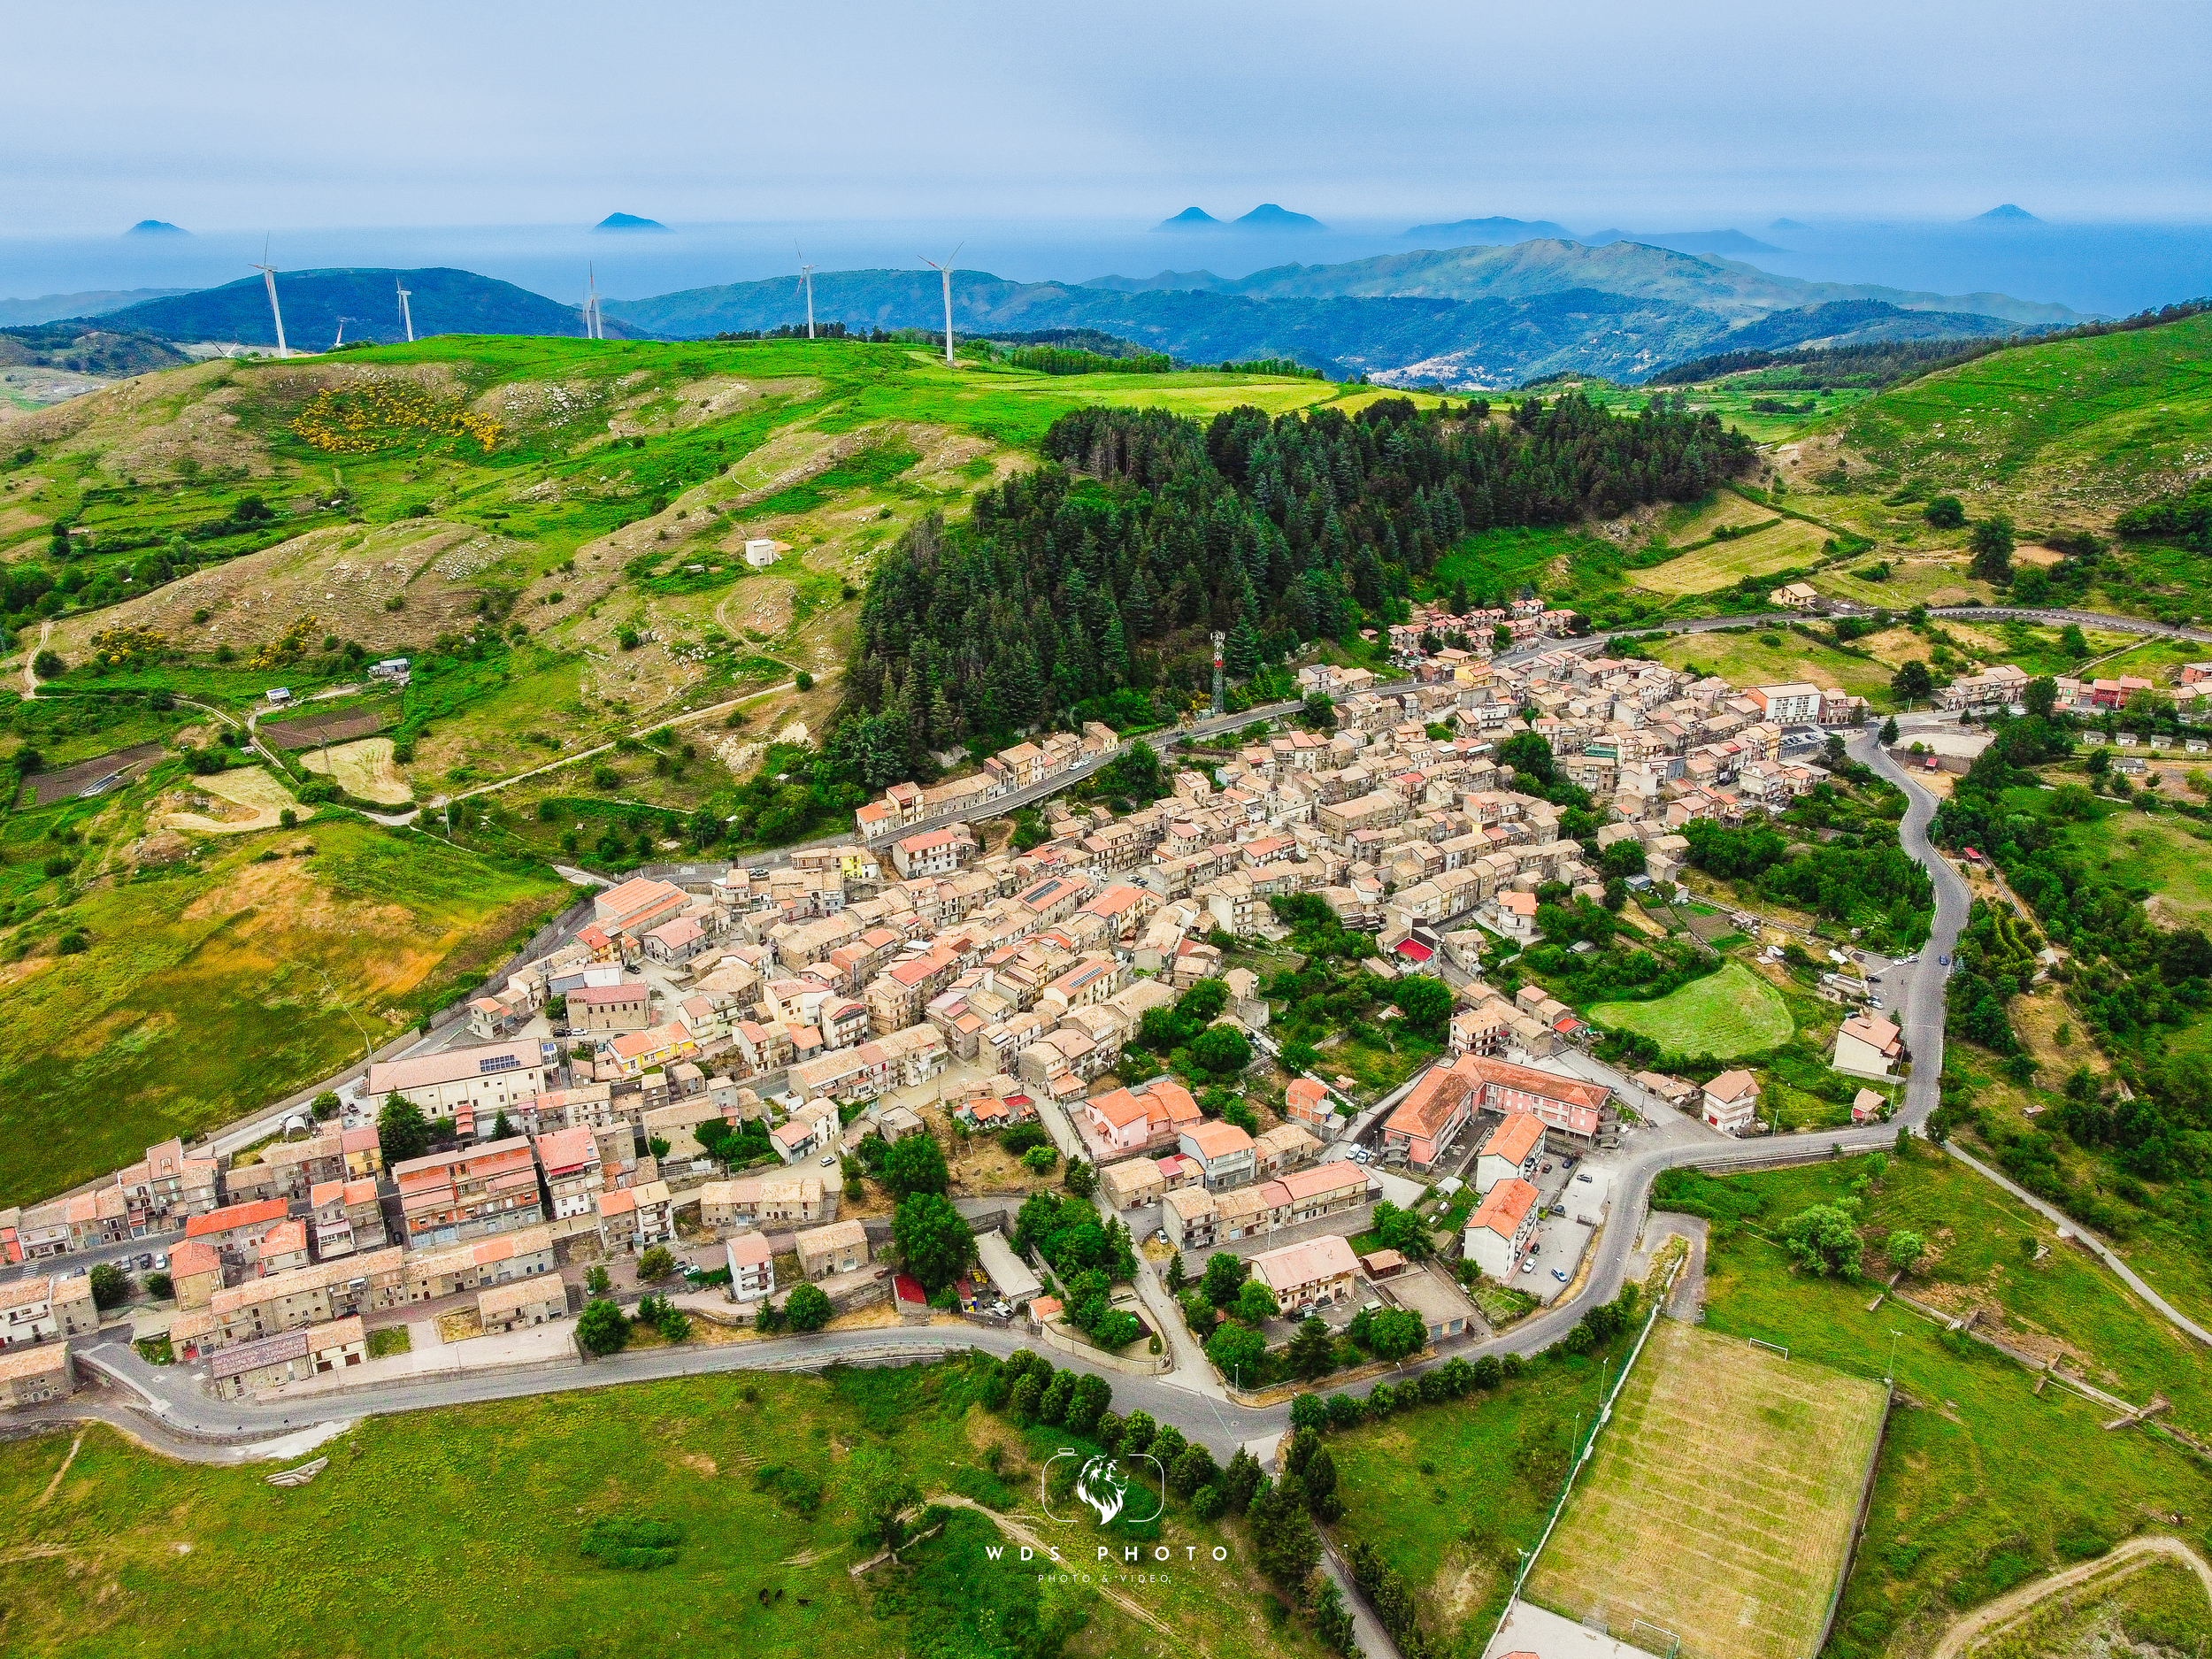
229	114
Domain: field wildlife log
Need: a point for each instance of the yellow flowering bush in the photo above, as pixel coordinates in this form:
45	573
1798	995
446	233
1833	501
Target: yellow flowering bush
126	648
287	650
362	419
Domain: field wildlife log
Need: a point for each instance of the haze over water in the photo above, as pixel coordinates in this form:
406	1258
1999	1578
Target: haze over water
2112	269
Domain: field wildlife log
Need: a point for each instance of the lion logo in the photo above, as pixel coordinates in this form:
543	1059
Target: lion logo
1105	1488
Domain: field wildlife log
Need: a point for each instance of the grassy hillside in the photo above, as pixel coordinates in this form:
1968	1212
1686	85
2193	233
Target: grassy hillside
197	983
762	1478
2061	438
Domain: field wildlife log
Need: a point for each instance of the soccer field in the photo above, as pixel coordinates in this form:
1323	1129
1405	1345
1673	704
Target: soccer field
1725	1014
1719	1505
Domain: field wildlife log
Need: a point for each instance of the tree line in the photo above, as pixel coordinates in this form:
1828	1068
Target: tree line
1107	570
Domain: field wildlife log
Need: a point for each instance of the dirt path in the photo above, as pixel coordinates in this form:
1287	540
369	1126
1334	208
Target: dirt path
2010	1608
586	754
30	657
1021	1534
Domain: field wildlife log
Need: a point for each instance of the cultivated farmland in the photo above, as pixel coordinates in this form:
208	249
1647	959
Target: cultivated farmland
1724	1014
1720	1504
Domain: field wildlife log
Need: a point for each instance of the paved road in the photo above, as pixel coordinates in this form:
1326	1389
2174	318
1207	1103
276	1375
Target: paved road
2111	1258
1917	991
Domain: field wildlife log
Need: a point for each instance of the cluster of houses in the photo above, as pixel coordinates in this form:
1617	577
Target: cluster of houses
1023	767
852	973
1421	641
2004	688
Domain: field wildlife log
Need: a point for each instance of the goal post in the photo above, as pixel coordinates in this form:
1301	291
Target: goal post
1771	1347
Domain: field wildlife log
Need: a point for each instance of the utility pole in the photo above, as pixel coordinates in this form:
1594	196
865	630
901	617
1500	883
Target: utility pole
1220	639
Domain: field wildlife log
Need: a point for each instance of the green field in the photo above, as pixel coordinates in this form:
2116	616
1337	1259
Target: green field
1790	544
1982	1483
1722	1015
1773	656
460	1531
1720	1504
1732	400
1451	1493
211	987
2169	858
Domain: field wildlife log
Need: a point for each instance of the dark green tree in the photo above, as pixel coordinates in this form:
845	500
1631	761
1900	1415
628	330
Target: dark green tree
401	1131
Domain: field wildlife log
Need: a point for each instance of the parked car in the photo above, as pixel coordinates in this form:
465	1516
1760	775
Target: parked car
1529	1266
161	1259
145	1261
1559	1273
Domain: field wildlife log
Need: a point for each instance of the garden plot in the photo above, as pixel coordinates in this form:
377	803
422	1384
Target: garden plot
1722	1015
233	802
1720	1504
364	770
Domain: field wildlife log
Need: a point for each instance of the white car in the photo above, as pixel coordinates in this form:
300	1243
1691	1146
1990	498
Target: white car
1529	1266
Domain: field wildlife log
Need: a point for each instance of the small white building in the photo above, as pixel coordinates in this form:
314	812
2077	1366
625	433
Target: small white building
752	1267
1732	1102
1511	1152
1867	1045
1502	1228
760	552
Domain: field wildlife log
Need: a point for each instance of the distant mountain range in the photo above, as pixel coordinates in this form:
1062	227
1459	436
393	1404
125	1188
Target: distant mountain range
628	221
443	301
2007	214
46	307
1488	316
1504	233
157	227
1266	218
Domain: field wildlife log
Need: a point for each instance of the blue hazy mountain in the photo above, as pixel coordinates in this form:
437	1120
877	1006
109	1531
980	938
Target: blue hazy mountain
1731	244
157	227
1470	316
1490	232
46	307
1200	281
1787	224
443	301
2007	214
628	221
1268	217
1190	219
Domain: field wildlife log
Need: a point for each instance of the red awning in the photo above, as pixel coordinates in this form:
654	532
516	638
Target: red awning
1413	950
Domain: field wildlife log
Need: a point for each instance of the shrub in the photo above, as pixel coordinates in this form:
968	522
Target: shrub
110	1286
602	1329
657	1262
631	1544
807	1308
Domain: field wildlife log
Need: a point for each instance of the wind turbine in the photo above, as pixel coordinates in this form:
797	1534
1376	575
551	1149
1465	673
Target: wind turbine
406	317
593	329
341	340
806	279
269	272
945	271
